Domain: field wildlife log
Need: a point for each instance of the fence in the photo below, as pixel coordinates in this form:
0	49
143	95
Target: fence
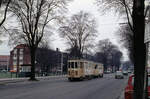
7	75
14	75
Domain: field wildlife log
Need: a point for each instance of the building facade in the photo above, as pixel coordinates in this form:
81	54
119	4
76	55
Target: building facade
20	59
4	62
51	61
47	60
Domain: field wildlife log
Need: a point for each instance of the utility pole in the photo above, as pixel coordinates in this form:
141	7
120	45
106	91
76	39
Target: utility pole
61	63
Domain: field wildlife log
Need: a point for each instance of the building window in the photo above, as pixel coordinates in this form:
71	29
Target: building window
21	57
15	62
15	69
20	62
15	51
15	56
21	51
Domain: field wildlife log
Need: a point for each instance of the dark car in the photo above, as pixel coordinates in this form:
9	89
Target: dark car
107	72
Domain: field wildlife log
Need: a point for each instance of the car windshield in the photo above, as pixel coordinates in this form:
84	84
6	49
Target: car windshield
148	81
119	73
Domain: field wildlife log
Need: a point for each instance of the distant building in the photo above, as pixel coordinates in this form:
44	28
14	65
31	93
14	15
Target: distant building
61	61
4	62
20	59
49	60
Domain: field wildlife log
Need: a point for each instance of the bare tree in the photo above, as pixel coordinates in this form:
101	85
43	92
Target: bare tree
124	7
4	4
135	12
116	58
34	16
104	47
108	54
79	32
127	65
126	37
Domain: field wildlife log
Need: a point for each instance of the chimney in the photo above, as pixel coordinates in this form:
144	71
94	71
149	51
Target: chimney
57	49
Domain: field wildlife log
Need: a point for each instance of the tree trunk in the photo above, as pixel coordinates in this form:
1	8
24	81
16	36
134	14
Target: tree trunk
105	64
139	48
32	53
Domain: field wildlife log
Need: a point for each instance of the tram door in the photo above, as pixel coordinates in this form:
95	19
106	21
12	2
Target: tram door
82	68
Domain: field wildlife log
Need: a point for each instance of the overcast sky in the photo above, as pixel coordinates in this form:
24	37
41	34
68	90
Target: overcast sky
107	25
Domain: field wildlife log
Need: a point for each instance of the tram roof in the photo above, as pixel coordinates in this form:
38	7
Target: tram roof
82	60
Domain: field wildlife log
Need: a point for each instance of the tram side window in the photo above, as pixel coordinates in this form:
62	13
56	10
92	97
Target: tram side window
81	64
95	66
72	64
76	65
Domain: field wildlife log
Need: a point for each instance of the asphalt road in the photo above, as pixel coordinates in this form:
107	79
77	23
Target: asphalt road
60	88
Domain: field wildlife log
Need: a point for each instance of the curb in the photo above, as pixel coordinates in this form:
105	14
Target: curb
15	80
12	80
122	95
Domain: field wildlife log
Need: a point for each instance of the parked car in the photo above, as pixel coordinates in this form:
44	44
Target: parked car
107	72
129	71
125	72
129	88
119	75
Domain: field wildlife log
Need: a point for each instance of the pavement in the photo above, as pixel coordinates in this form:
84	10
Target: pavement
121	96
123	89
58	87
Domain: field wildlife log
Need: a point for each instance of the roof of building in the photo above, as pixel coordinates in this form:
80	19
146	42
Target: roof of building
21	46
4	57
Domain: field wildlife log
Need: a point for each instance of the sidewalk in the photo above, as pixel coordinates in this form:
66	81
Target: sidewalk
122	95
122	91
14	80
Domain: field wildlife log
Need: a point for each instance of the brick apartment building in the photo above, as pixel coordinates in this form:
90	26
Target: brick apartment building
20	59
4	62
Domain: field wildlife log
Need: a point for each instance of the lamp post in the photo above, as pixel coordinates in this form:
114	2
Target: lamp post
61	63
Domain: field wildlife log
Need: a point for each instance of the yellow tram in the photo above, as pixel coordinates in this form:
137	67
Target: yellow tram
81	69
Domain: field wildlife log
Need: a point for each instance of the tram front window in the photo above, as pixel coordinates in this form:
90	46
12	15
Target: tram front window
72	64
96	66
